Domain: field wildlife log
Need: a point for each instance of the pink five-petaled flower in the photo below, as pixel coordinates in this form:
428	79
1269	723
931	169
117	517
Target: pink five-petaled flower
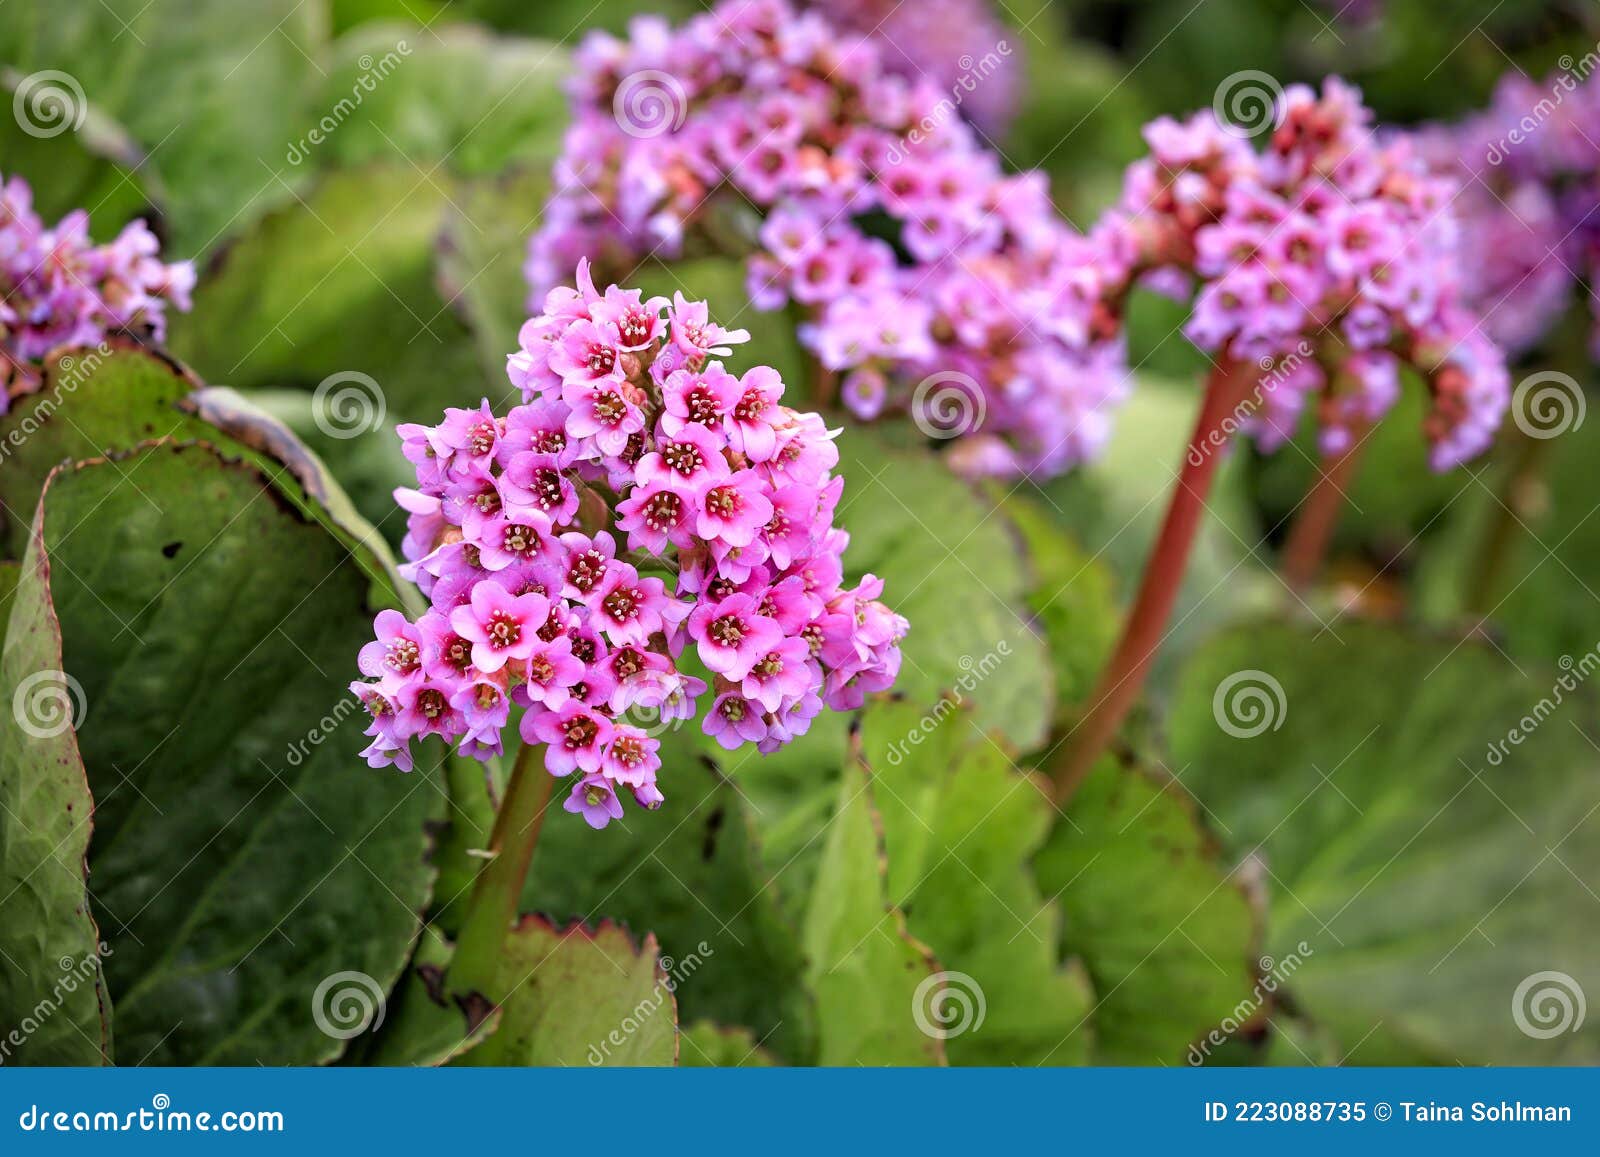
595	800
500	626
726	501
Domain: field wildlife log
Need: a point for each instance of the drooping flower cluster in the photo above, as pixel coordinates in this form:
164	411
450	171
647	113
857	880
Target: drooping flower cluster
58	289
1529	167
1330	259
641	506
923	276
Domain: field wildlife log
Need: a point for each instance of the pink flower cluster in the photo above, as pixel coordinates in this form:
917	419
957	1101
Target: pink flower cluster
641	508
1330	259
924	278
1529	167
58	289
957	44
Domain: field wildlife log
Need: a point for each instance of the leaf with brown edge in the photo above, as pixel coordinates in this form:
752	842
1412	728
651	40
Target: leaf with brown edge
580	996
46	927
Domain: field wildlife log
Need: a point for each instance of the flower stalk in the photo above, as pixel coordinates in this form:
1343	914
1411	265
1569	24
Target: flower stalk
497	892
1142	635
1311	532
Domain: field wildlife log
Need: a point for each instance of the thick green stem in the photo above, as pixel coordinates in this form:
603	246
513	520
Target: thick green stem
1125	673
498	891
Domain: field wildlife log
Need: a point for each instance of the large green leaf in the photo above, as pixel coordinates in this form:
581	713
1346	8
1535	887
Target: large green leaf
707	1045
1166	931
692	875
866	970
1428	855
211	91
341	283
48	935
452	96
961	824
576	996
242	858
953	568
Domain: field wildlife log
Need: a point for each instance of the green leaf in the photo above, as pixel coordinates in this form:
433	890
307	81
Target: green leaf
1165	930
951	567
342	283
451	95
692	875
1070	594
422	1027
707	1045
481	253
1425	852
572	996
47	932
242	855
961	823
143	62
864	967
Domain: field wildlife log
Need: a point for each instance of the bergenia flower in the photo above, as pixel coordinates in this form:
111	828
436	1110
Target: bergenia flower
715	506
990	335
58	289
1329	258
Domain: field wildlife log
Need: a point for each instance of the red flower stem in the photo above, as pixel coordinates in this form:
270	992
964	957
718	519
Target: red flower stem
1318	516
1142	635
1516	507
497	893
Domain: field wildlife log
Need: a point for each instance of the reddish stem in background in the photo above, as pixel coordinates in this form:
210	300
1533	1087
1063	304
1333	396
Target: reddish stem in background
1124	674
1318	516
